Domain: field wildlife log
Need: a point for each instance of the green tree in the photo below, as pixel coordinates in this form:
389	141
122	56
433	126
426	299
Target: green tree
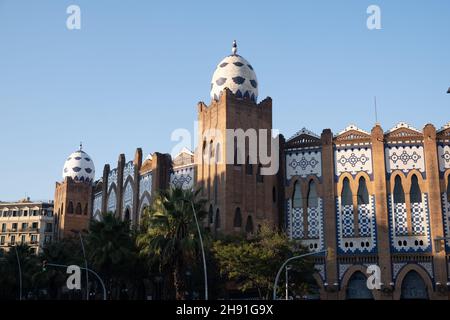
169	236
9	272
65	251
253	263
112	253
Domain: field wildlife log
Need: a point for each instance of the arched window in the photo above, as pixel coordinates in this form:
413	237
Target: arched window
204	149
274	195
70	208
217	225
249	225
248	167
415	193
211	149
297	199
357	288
211	214
237	223
413	287
313	199
399	193
347	195
86	209
236	151
78	209
363	193
259	176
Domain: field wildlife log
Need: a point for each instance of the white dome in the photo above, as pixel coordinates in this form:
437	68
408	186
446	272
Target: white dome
79	166
236	74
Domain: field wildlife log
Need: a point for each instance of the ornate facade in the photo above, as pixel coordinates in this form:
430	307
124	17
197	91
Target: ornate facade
374	198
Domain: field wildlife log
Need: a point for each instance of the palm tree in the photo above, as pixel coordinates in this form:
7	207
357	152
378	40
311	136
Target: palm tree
111	251
169	234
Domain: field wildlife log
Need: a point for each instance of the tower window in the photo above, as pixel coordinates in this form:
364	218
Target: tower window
347	195
217	226
399	193
248	167
86	209
78	209
237	223
363	193
70	208
415	193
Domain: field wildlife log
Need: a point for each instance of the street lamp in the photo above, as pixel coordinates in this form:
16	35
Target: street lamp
85	261
275	285
205	274
20	273
287	281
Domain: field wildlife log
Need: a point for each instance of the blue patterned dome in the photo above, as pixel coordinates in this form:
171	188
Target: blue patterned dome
236	74
79	166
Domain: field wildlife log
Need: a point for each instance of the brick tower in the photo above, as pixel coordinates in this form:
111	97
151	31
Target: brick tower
73	196
240	198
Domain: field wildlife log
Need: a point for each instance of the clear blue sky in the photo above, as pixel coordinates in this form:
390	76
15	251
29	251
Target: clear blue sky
136	70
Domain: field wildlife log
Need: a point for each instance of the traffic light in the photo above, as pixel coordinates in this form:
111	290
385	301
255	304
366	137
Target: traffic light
44	265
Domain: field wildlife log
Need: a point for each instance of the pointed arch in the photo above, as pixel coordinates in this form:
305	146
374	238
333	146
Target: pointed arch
78	209
217	224
297	198
248	166
404	273
346	193
70	208
363	193
237	222
415	191
399	192
313	198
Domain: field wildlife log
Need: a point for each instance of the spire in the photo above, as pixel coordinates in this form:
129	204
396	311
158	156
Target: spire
234	49
81	146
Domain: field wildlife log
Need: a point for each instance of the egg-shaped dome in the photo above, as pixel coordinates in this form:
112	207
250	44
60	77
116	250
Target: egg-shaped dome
79	166
236	74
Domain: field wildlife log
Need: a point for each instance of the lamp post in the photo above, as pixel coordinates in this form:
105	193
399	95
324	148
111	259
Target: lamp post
20	273
205	274
275	285
287	281
85	261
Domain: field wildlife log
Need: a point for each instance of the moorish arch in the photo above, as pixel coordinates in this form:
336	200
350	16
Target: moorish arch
128	195
144	203
112	200
413	283
354	285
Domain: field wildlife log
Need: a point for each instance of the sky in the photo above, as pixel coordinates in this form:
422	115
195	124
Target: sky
136	70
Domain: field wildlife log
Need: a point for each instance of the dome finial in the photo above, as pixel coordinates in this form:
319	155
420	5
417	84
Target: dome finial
81	146
234	49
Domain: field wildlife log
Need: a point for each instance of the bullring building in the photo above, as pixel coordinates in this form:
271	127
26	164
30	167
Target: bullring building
379	197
